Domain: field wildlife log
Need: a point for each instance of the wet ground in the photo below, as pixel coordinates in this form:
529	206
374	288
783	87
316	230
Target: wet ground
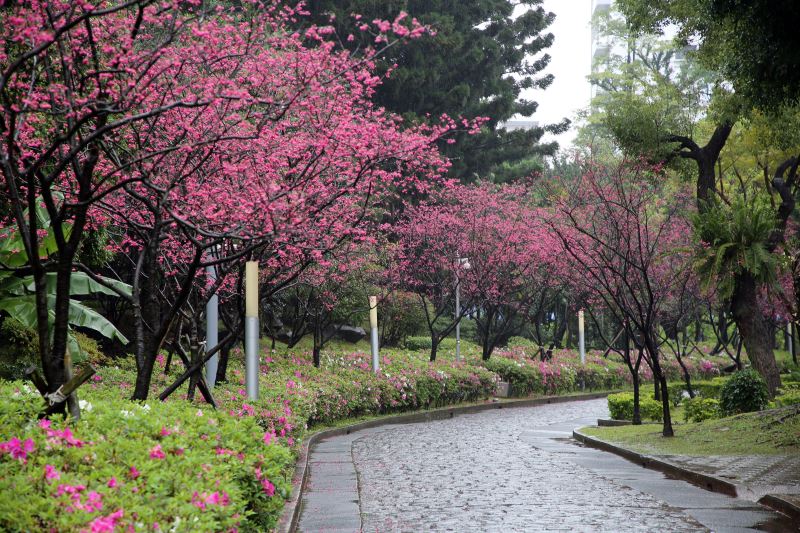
505	470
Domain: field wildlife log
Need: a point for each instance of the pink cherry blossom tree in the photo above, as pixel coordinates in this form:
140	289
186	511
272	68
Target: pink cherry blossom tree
625	243
489	241
190	129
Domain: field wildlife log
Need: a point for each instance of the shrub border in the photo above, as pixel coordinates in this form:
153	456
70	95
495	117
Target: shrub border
291	511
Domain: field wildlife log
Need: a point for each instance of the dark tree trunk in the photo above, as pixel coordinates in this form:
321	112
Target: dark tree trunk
665	408
661	380
698	331
656	387
687	378
754	331
222	366
317	343
194	351
435	339
561	328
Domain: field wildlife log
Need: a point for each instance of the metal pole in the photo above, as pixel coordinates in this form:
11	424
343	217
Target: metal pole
790	343
458	324
581	343
251	329
373	326
212	332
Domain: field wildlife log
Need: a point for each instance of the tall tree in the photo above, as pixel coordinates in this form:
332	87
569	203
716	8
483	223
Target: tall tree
650	110
484	53
753	44
622	243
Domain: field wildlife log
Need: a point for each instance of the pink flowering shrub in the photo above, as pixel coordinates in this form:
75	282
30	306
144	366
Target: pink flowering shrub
521	366
104	472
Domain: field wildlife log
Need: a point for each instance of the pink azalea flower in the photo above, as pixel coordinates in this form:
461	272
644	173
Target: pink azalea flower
105	524
156	452
50	472
134	473
18	449
269	488
112	482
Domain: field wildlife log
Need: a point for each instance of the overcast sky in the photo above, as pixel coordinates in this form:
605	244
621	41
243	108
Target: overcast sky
570	65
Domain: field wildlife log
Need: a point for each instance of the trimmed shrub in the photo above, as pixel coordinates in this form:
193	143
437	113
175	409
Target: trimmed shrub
514	342
708	388
744	392
787	399
699	409
621	407
417	344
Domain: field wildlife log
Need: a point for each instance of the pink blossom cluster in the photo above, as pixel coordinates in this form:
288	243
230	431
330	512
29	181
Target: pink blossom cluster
18	449
205	499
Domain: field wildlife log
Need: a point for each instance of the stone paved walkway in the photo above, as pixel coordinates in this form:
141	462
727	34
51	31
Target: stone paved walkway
754	476
507	470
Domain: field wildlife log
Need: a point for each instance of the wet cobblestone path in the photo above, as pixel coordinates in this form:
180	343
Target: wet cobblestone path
504	470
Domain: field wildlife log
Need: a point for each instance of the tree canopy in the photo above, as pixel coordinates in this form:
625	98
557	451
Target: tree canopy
753	44
483	54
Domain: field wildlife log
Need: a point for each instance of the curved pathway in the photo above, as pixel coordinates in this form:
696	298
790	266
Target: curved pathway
513	469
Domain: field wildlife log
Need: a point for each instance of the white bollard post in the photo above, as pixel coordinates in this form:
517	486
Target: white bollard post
373	326
251	329
212	332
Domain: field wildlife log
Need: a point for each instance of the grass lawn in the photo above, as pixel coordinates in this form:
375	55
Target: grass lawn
771	432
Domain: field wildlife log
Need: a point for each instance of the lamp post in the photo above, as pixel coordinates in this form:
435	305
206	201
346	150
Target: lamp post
461	262
251	329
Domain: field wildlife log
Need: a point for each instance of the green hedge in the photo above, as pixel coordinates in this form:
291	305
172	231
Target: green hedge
703	388
787	399
699	409
620	406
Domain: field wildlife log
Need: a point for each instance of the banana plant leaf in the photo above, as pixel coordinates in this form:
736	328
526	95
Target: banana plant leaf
23	309
80	284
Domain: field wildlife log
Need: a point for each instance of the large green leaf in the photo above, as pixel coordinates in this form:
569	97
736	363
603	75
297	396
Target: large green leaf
83	316
80	284
21	308
12	285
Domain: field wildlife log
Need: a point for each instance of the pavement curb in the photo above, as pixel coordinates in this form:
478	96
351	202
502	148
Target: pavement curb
776	503
705	481
291	511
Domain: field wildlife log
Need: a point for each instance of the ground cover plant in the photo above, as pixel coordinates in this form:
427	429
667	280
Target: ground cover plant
156	466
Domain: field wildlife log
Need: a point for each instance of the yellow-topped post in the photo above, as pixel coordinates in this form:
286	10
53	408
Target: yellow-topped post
251	328
373	326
